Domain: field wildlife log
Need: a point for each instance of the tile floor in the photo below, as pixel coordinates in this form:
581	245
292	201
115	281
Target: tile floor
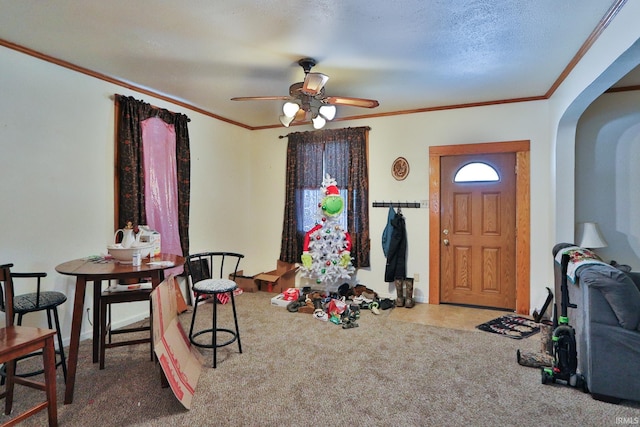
445	315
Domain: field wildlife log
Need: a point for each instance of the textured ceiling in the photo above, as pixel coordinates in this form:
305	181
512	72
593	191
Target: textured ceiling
410	54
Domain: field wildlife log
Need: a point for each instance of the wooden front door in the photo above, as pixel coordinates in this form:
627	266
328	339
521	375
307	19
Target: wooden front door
478	231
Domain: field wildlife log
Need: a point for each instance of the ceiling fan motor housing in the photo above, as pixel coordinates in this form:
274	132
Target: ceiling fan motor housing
307	64
296	90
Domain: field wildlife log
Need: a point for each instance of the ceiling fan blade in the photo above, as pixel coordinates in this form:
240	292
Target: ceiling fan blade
261	98
314	82
352	102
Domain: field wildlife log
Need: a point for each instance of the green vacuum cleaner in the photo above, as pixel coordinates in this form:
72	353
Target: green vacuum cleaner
565	357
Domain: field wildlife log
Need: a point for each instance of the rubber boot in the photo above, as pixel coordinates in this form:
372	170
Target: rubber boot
545	357
409	302
546	338
400	297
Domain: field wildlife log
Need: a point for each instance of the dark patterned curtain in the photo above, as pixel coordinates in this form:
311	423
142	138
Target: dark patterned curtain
130	172
343	152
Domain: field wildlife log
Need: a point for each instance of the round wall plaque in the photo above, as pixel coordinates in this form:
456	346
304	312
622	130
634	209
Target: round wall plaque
400	168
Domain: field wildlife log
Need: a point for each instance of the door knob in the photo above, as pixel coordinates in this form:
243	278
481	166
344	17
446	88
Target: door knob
446	242
445	231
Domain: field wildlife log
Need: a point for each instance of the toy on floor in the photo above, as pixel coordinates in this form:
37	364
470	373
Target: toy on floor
349	317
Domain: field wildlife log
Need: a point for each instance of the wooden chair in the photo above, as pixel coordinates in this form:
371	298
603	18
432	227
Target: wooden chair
207	271
107	298
33	302
18	341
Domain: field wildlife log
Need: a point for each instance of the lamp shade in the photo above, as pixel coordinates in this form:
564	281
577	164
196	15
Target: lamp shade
286	120
318	122
328	111
290	109
589	236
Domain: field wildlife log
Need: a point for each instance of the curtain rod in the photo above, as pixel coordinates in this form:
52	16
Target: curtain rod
287	135
113	97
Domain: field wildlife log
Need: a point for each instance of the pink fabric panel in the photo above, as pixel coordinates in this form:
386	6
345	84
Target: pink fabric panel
161	184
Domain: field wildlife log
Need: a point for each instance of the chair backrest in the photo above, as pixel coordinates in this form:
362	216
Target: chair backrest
210	265
7	285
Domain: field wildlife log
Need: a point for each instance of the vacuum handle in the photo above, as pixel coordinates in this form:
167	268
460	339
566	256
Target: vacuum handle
564	290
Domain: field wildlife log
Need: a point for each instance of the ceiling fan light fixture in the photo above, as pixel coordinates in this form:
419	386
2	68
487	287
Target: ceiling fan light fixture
318	122
286	120
307	100
328	111
290	109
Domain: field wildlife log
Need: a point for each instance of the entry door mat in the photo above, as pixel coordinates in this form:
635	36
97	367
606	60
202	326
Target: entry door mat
511	325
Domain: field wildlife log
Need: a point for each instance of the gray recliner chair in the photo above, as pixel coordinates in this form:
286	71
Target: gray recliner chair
607	325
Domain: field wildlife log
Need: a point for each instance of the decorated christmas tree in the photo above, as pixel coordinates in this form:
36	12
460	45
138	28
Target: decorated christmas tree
326	253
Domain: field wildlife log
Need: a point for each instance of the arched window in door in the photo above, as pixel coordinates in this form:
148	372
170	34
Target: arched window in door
476	172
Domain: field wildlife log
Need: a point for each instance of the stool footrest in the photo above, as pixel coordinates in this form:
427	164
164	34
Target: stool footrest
38	385
127	330
39	407
233	338
3	370
130	342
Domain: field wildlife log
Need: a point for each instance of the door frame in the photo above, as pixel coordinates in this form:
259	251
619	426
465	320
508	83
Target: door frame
523	213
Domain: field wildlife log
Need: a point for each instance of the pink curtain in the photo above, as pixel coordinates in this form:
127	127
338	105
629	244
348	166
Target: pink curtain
161	183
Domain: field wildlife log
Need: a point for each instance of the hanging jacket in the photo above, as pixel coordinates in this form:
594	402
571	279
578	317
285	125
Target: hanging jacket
396	267
388	230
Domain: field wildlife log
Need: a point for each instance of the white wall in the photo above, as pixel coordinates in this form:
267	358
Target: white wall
57	145
607	173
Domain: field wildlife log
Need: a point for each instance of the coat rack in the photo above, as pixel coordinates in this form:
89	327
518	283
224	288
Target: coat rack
396	204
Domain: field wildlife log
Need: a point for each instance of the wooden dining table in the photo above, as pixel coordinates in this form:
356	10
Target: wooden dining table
97	269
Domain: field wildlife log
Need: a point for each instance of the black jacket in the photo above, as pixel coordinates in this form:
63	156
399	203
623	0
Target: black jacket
397	256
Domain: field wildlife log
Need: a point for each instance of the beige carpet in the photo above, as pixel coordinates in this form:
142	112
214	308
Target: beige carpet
296	370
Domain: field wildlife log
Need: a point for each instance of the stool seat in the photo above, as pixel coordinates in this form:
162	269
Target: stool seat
28	303
215	286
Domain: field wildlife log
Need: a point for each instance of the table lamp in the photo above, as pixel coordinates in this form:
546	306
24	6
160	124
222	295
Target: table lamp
590	237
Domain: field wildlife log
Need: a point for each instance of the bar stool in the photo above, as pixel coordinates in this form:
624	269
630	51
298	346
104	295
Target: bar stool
200	268
23	304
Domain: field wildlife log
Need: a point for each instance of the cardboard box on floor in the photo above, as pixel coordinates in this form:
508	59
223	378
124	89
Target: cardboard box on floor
246	283
278	280
179	360
279	301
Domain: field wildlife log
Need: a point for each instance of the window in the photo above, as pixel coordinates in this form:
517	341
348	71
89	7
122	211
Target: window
131	114
476	172
310	155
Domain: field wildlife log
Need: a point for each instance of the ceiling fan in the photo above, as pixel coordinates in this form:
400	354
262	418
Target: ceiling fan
307	99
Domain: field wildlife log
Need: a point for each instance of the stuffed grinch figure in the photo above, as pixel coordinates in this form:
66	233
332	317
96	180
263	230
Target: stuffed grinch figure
326	253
